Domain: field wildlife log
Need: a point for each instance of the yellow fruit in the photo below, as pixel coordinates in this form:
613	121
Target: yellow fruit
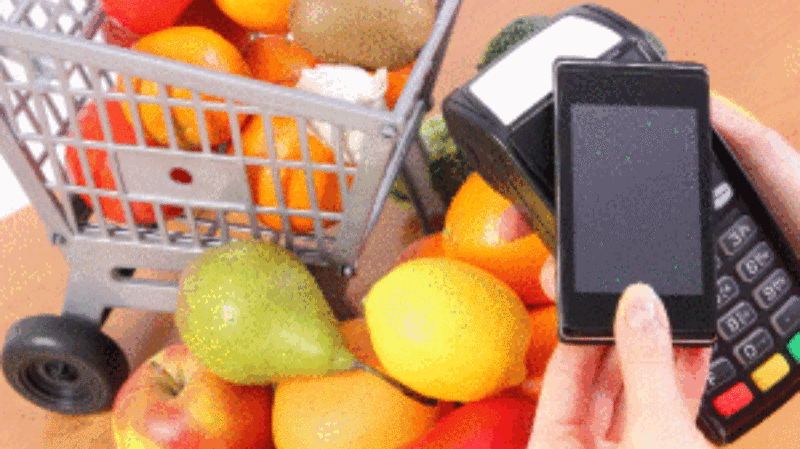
350	410
266	16
448	330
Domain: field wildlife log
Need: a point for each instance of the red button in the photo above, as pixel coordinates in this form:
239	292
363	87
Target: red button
733	400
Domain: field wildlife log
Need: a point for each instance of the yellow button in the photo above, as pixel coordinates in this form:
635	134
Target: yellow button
770	372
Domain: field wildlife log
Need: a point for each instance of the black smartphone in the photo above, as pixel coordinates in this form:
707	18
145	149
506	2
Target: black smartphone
633	195
502	120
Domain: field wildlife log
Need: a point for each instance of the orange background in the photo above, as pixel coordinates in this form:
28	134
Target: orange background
752	54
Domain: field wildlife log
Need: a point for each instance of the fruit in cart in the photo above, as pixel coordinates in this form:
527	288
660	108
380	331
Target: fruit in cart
448	330
206	13
365	33
266	16
397	81
252	313
292	180
483	229
502	422
278	60
172	401
122	132
350	410
144	16
193	45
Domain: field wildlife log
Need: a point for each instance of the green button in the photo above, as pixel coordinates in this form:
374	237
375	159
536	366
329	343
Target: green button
794	347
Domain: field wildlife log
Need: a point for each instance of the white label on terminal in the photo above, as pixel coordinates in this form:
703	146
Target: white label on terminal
525	76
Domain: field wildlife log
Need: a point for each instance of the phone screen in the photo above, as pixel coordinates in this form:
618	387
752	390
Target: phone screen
636	198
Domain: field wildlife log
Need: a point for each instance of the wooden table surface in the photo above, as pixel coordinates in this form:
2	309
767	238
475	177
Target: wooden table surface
752	54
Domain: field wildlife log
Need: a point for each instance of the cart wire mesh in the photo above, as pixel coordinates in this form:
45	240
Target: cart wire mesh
80	118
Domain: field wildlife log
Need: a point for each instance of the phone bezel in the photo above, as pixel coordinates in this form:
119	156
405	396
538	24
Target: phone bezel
589	317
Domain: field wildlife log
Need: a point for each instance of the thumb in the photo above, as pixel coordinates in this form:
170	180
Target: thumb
644	347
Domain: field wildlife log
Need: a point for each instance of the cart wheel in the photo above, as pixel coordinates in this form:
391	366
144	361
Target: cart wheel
63	364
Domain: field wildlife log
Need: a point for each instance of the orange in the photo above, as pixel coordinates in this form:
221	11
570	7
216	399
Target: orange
356	338
194	45
278	60
544	331
292	180
266	16
349	410
472	234
206	13
396	81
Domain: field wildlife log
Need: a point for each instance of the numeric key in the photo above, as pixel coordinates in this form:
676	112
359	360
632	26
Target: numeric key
755	262
772	289
753	347
737	320
738	235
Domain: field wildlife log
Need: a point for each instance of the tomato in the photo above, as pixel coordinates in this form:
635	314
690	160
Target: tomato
145	16
123	133
500	422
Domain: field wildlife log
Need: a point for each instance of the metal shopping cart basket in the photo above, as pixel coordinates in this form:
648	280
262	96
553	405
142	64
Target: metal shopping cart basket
54	61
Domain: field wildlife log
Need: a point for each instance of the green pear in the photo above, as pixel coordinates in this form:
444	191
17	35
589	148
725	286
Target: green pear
252	313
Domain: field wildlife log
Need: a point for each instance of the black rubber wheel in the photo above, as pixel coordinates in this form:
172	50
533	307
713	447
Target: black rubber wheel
63	364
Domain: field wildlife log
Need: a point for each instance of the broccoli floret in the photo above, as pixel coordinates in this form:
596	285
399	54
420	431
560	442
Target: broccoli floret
511	34
447	165
523	27
655	43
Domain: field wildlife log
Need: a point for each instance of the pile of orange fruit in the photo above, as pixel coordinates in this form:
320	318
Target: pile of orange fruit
247	38
483	229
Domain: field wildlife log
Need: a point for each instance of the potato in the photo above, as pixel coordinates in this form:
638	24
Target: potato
366	33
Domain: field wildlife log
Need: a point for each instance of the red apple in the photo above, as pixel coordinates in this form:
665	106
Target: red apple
173	402
144	16
503	421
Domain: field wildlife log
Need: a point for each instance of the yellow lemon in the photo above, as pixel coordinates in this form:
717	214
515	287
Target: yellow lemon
448	330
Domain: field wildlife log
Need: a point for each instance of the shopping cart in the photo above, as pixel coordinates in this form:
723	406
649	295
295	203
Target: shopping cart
54	60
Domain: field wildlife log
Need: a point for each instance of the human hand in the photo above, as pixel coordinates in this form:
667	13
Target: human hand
639	393
768	158
642	392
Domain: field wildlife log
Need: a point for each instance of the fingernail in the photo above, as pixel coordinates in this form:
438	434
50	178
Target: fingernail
640	308
734	106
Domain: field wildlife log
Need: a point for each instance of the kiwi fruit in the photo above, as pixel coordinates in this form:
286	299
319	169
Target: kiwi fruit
365	33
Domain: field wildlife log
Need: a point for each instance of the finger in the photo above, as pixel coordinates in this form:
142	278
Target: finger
644	344
512	225
691	365
564	401
768	158
618	419
547	277
607	388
